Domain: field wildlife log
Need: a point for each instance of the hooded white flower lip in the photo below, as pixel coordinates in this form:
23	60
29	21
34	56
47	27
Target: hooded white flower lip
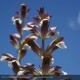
14	19
29	26
53	28
5	56
64	73
26	47
33	37
46	19
16	35
61	45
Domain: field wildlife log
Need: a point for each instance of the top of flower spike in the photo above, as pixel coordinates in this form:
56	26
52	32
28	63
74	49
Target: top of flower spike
42	15
23	11
41	11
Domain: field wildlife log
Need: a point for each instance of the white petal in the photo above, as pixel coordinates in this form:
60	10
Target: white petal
10	64
52	60
20	73
3	58
40	24
29	64
16	35
61	45
18	19
12	19
27	28
33	37
64	73
10	55
42	57
26	47
53	28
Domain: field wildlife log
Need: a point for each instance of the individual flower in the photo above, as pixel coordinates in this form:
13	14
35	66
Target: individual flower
21	54
46	61
52	46
7	56
14	64
16	18
44	27
23	51
52	32
56	71
16	36
18	22
29	26
33	28
23	10
26	45
14	40
61	45
34	46
27	69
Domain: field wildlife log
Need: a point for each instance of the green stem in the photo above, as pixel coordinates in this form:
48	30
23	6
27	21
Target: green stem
43	48
21	35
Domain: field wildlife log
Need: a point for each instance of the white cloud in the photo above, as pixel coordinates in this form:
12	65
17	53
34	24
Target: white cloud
72	24
75	22
79	18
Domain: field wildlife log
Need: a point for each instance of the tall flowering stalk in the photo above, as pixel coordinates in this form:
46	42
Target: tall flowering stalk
39	29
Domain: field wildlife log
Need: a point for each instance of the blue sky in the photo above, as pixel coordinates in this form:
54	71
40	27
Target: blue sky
66	14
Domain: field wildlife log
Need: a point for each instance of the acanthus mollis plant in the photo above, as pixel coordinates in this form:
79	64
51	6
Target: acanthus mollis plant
39	29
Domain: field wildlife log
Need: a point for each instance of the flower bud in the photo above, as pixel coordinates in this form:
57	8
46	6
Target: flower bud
23	11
